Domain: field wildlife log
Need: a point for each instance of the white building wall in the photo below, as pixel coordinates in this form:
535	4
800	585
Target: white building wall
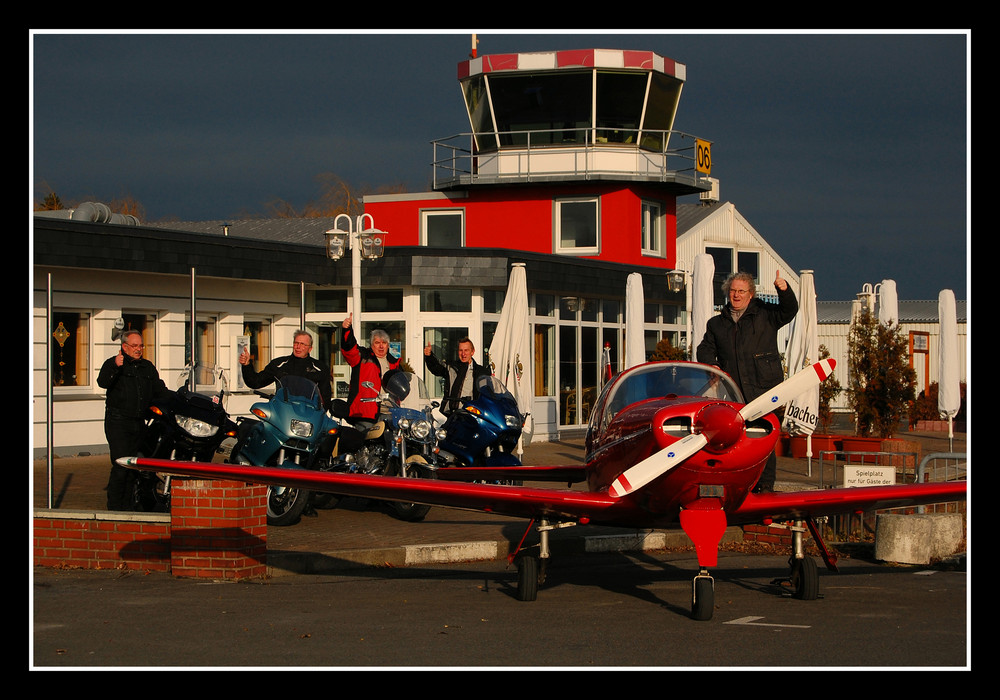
834	336
727	228
78	411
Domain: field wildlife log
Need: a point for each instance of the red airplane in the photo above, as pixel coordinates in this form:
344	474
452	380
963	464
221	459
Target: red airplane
667	442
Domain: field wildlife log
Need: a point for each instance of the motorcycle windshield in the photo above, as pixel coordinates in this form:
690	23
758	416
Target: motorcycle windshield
295	388
208	381
406	390
492	387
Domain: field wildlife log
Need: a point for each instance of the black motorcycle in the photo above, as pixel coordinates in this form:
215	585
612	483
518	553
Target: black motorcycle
189	424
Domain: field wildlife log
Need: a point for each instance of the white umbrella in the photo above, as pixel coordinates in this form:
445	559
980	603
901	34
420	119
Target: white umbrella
635	319
703	299
888	303
949	390
511	349
802	412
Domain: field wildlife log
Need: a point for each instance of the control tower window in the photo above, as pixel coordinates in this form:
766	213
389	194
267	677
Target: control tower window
477	102
664	96
620	97
554	108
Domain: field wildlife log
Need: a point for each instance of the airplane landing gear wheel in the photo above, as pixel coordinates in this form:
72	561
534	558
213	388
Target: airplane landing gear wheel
805	578
527	578
703	597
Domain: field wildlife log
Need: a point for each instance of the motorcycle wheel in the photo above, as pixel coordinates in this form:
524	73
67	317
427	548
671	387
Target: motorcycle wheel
415	468
285	505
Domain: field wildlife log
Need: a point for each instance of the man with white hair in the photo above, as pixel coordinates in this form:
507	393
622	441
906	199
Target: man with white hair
367	367
742	341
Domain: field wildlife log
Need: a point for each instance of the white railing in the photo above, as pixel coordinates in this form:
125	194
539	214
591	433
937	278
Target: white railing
566	154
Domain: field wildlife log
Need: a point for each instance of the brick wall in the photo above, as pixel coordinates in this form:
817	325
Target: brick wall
101	540
216	529
769	534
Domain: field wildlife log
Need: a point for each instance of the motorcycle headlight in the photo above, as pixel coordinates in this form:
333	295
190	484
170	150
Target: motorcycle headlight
196	428
512	421
420	429
301	428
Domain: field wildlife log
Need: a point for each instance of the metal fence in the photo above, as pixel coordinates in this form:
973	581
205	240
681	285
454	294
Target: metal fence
938	466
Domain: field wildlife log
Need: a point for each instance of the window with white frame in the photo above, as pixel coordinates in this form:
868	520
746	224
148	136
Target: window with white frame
205	346
442	228
749	261
653	231
259	345
577	226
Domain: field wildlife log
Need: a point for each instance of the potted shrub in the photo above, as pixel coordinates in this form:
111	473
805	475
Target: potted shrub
882	383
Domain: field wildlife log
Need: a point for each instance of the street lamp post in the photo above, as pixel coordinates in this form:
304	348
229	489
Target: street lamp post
368	243
676	281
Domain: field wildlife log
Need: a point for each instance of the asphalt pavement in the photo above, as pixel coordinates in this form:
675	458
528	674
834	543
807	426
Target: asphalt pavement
359	532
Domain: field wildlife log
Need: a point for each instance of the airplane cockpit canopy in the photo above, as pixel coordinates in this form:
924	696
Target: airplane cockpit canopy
656	380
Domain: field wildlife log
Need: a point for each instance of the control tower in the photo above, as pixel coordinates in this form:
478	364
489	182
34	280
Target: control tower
572	115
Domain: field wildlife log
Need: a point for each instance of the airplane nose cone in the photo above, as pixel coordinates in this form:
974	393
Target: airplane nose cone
720	424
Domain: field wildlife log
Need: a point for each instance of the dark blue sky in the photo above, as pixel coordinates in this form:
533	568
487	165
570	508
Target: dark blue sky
847	152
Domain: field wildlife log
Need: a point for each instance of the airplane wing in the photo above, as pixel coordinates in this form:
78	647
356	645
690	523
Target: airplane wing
517	501
792	505
531	502
570	474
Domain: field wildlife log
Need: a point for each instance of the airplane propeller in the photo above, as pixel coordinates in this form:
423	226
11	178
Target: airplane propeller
720	426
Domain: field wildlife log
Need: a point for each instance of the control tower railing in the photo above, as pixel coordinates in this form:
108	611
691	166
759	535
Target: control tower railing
567	154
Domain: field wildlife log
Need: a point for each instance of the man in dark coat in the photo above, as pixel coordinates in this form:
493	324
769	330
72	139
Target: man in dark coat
298	364
742	341
460	376
132	384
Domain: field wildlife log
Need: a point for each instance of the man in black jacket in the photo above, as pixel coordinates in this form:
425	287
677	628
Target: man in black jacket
742	341
298	364
132	384
460	376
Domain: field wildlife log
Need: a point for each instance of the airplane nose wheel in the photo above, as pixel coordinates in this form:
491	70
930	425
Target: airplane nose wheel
531	567
805	578
528	577
702	596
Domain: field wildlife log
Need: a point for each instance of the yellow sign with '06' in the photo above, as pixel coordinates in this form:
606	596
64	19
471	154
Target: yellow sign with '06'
703	156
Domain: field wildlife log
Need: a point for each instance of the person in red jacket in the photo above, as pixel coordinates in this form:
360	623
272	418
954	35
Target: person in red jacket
367	367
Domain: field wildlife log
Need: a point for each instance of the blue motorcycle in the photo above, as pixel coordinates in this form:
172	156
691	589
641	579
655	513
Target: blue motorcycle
398	442
483	432
292	429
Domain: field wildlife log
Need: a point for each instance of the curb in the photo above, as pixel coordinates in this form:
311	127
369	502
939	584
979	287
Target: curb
287	563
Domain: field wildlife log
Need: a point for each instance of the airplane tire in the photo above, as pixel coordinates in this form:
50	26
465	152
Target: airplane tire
527	578
805	578
703	604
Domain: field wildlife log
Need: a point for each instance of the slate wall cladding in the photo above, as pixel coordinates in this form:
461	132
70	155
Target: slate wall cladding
80	244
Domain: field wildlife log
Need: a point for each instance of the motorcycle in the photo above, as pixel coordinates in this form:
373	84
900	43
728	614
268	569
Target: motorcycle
189	424
483	432
399	442
292	429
